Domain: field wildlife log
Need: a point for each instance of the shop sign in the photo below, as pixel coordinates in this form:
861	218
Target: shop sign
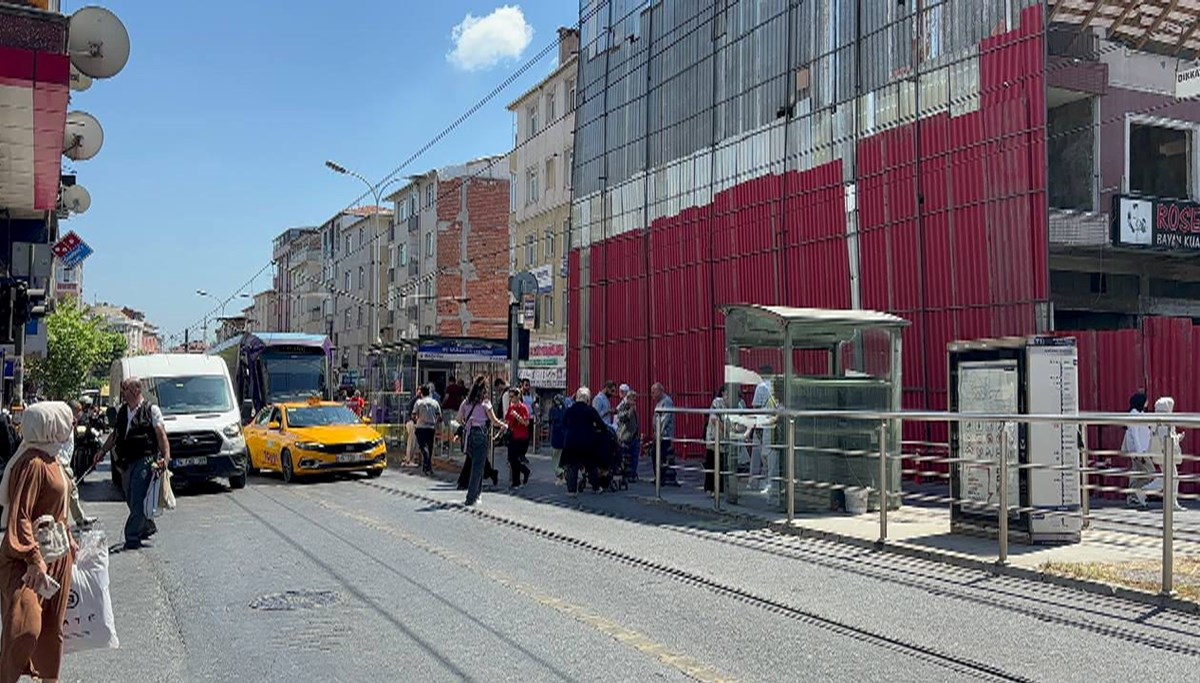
545	278
547	353
462	351
1151	222
1187	83
544	378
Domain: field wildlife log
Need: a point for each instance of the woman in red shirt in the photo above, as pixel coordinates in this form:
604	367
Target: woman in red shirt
518	419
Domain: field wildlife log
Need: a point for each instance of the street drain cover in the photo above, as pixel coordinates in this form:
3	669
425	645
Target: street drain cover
294	600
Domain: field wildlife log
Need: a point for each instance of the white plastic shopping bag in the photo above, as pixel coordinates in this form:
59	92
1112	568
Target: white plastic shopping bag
89	624
166	498
153	495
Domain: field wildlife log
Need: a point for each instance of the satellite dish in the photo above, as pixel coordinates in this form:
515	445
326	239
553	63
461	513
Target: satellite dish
98	42
76	199
84	137
79	80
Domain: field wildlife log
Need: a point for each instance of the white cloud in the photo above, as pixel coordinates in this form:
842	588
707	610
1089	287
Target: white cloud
483	42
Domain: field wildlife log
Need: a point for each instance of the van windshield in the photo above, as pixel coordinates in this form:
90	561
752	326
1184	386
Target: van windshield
183	395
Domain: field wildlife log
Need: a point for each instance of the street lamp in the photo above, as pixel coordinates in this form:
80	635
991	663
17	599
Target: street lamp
220	302
375	258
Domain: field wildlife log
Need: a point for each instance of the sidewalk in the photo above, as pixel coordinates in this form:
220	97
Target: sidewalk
1120	553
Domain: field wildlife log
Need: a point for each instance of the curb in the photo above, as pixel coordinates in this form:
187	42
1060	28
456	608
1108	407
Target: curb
944	557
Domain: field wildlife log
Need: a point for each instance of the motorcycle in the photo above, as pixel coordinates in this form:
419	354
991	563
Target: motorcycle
87	445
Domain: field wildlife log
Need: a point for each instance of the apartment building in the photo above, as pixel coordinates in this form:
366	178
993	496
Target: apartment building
447	257
341	296
540	218
288	250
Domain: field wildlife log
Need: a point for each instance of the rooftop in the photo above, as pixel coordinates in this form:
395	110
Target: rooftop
1166	27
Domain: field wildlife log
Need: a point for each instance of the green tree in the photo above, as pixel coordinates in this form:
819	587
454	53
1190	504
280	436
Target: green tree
79	349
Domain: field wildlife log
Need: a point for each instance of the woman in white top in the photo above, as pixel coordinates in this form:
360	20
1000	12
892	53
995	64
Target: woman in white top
1161	433
1137	447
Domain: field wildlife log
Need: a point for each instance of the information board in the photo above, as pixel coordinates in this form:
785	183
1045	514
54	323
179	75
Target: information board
987	387
1055	391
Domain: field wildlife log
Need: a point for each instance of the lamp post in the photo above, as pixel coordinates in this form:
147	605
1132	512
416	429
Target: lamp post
220	302
374	319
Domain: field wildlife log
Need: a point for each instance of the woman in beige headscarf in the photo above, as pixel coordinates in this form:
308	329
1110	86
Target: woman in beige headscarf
34	484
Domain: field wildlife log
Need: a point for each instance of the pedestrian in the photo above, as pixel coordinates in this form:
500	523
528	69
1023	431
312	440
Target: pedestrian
629	431
35	578
476	414
410	430
666	431
603	404
713	434
426	416
140	445
584	437
764	458
557	435
519	423
1136	446
1161	433
67	456
357	403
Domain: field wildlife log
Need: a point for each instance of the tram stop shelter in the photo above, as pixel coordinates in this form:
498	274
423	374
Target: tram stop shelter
815	359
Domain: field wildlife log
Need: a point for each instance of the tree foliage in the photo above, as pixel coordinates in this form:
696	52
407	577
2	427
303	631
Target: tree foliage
80	349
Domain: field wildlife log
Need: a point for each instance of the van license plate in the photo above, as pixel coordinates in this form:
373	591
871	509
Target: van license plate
191	462
347	457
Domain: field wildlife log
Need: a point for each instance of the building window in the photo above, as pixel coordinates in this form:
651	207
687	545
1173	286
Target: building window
347	316
531	186
347	287
571	95
512	192
362	280
404	254
532	116
548	310
530	250
404	211
429	245
550	109
1160	160
567	168
348	246
413	200
566	237
360	316
549	243
391	275
362	237
550	173
427	288
430	190
391	232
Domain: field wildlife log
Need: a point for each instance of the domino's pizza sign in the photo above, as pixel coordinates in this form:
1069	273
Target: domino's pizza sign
71	250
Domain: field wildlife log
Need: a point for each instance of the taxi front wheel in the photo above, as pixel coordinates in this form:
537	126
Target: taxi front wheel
374	474
289	473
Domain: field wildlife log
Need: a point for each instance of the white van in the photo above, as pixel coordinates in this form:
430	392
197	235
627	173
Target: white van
201	413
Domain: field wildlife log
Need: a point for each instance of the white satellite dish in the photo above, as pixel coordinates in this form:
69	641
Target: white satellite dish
98	42
79	80
76	199
83	136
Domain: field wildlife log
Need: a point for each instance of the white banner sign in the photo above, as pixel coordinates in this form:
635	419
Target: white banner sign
1187	83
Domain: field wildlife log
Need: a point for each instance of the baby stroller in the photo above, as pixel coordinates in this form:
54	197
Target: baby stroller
612	462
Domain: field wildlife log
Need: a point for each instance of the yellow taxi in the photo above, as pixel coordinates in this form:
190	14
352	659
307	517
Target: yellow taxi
313	436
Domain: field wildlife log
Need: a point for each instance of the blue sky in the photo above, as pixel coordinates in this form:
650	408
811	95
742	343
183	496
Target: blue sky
217	130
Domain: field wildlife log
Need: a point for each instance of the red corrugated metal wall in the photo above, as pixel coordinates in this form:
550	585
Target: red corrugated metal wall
952	236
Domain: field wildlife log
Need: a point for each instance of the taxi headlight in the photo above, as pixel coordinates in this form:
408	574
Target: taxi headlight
232	430
308	446
376	443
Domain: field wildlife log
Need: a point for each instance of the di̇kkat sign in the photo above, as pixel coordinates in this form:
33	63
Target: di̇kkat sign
1157	223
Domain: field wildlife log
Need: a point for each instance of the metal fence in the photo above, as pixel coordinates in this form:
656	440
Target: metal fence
893	459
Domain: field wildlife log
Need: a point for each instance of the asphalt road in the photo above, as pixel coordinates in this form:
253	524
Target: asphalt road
395	581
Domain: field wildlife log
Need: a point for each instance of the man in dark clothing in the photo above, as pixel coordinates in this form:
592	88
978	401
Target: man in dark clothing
139	439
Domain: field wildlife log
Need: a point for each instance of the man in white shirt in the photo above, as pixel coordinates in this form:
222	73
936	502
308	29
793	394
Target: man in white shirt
764	458
139	438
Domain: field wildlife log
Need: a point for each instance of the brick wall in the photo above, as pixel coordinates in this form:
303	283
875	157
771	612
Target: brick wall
472	253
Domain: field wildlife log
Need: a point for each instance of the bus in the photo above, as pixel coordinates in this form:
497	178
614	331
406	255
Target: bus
272	367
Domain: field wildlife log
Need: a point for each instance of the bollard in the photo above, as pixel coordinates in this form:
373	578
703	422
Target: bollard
883	481
790	466
1168	496
1003	491
1085	501
717	466
657	456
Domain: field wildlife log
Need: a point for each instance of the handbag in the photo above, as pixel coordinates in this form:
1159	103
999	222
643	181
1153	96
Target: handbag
166	496
52	538
150	505
461	432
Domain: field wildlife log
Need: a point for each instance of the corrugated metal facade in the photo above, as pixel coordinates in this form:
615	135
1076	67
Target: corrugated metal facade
827	153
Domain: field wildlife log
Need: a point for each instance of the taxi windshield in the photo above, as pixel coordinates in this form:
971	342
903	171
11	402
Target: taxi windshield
321	416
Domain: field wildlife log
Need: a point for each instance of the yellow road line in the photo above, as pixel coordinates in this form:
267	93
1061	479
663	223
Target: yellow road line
688	666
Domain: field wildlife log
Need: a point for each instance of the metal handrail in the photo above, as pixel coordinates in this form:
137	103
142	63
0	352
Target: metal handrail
888	419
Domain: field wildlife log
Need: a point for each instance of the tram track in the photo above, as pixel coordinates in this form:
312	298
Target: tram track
960	665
